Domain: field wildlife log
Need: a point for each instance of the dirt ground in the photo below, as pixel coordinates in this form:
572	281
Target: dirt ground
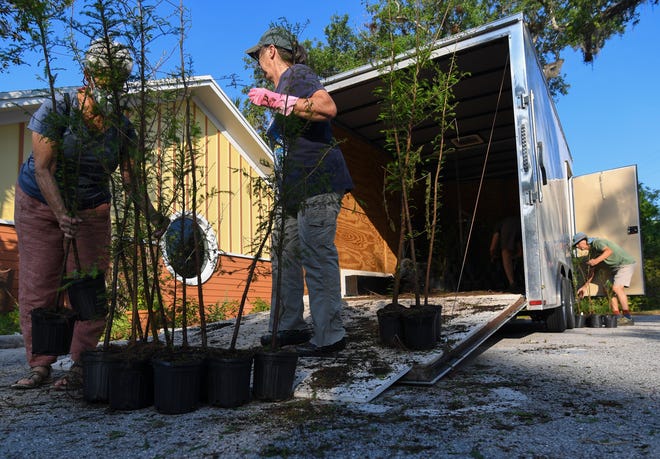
526	394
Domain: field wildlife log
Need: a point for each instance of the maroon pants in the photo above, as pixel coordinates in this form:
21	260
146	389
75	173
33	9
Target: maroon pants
41	255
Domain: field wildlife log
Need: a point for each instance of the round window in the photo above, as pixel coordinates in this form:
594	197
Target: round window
189	246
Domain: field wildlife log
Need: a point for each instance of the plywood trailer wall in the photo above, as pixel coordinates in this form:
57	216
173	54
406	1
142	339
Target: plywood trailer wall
367	242
365	239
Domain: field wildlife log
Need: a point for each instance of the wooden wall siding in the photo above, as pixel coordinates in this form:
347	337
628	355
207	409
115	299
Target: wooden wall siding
228	282
9	256
365	239
232	277
224	189
231	208
12	143
225	285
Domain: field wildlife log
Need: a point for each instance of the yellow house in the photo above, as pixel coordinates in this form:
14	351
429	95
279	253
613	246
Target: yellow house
228	218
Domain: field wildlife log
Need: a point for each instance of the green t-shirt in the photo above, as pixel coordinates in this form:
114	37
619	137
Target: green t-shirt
618	258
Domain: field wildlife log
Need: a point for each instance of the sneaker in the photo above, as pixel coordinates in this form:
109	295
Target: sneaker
624	321
287	337
311	350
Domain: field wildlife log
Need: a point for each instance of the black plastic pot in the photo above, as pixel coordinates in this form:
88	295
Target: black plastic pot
52	330
96	366
390	329
228	380
594	321
177	385
274	374
88	297
608	321
419	327
131	384
580	320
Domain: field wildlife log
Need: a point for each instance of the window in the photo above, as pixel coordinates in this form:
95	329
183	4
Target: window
188	246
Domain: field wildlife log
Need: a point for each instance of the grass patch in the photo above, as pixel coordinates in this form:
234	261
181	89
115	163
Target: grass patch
303	411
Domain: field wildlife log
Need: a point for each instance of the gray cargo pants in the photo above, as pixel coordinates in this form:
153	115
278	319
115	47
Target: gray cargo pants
309	250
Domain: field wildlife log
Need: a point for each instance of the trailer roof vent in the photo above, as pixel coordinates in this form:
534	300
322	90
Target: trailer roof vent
467	141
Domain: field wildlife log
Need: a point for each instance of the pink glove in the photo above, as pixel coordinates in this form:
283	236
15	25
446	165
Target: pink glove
283	103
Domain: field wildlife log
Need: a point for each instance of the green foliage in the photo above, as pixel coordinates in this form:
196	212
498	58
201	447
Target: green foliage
596	304
222	311
651	300
554	26
410	98
649	212
260	305
121	327
345	49
26	25
191	313
9	323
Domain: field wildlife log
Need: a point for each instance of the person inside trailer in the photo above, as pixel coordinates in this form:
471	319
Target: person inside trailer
506	245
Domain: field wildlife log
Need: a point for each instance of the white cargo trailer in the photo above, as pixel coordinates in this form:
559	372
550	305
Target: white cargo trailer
510	157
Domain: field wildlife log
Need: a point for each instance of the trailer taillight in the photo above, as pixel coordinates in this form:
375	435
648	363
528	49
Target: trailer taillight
535	302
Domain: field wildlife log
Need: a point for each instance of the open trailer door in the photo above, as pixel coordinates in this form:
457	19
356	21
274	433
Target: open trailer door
607	205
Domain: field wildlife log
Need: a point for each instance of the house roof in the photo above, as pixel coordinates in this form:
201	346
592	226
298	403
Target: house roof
18	106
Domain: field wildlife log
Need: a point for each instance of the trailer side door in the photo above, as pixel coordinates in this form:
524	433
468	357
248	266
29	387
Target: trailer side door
606	204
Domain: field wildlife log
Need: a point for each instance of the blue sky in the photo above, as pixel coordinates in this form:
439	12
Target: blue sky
610	116
612	111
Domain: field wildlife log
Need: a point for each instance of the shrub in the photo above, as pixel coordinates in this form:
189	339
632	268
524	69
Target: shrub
260	305
121	327
9	323
222	311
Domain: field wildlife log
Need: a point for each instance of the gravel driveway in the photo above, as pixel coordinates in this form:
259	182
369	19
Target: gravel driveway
528	394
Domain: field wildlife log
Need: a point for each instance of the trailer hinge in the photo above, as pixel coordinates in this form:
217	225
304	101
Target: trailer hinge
531	196
524	100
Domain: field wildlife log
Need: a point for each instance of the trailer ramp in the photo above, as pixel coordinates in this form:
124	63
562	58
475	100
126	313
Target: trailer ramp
482	327
365	368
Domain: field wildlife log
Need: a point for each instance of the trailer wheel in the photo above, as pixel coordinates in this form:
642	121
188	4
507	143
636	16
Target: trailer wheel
568	302
556	319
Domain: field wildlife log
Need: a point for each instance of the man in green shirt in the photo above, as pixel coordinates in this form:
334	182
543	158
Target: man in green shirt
621	264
